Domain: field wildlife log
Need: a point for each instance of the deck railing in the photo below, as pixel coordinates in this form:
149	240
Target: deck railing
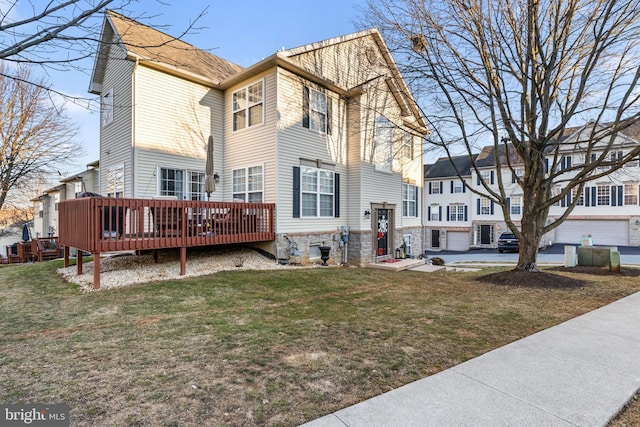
97	225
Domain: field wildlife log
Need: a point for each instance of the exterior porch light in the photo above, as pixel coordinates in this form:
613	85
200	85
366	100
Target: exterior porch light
367	214
216	177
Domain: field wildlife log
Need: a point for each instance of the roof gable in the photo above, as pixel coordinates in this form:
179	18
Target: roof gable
158	49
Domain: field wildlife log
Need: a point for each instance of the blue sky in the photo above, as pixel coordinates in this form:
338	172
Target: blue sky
240	31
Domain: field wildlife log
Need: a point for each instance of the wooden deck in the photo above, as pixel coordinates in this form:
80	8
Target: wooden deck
98	225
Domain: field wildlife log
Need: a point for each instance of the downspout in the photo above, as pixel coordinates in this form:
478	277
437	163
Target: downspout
133	128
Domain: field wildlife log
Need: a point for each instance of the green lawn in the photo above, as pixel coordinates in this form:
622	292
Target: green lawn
276	347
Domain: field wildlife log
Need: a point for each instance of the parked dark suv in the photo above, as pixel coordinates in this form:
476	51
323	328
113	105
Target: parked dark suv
508	242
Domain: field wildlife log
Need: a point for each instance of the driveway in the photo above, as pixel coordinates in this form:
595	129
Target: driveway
629	255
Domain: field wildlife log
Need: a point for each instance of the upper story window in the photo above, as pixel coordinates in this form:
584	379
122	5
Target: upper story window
515	205
631	194
484	206
603	195
409	200
317	110
457	186
435	187
383	144
115	182
457	212
107	107
434	212
407	146
248	106
579	197
248	184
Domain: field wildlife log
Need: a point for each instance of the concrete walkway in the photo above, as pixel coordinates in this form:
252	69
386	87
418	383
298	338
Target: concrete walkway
579	373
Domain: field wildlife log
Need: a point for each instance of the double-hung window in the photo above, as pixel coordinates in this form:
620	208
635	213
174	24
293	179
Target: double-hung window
631	194
409	200
317	111
383	144
248	106
515	205
456	213
107	107
578	197
603	195
196	185
248	184
457	186
485	206
317	187
407	146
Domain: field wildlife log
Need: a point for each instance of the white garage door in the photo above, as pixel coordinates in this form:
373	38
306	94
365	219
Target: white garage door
615	233
457	241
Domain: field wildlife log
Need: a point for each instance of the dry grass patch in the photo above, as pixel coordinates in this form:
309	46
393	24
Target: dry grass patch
257	347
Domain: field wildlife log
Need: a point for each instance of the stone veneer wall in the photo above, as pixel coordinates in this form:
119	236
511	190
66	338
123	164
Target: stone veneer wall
359	250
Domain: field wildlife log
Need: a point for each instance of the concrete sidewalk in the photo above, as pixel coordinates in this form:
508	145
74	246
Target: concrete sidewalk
579	373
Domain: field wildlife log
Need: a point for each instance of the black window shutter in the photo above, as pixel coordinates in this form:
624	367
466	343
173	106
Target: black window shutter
336	195
439	213
417	201
478	207
513	177
329	111
587	196
478	179
563	202
620	195
492	207
296	191
614	196
305	107
568	162
492	174
452	187
464	188
465	212
448	213
594	196
440	187
546	165
509	204
430	188
428	213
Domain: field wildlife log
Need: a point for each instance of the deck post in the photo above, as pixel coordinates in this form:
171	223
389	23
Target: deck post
66	256
96	270
79	263
183	260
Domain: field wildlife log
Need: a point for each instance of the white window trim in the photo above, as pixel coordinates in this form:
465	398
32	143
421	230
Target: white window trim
186	181
248	106
317	193
485	206
245	192
410	199
114	185
325	113
383	149
107	108
515	205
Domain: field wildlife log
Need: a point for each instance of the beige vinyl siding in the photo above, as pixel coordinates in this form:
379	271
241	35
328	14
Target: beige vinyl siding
255	145
115	138
149	161
345	63
296	142
174	118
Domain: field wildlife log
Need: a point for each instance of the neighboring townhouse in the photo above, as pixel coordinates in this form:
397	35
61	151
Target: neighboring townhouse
325	131
45	205
608	210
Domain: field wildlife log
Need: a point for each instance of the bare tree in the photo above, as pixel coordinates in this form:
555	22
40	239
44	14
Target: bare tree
60	35
35	137
517	74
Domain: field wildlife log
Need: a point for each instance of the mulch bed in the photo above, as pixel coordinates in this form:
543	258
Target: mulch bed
545	279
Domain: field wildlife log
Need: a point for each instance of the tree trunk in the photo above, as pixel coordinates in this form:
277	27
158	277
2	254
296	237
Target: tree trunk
531	228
